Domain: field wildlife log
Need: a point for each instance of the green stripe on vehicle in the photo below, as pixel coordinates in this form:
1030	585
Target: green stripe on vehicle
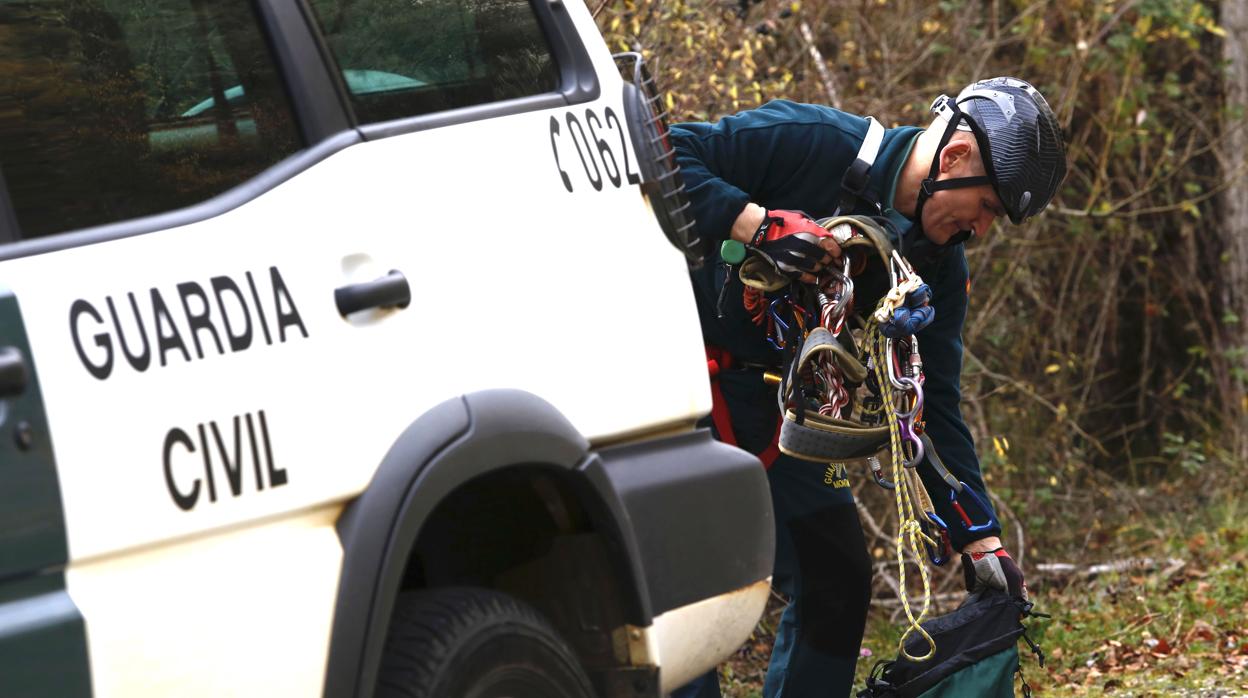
43	642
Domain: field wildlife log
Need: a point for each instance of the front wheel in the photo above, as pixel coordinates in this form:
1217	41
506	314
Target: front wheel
475	643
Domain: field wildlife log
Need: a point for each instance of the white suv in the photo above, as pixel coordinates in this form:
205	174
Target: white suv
341	354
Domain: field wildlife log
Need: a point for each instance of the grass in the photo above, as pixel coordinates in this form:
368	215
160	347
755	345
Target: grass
1162	629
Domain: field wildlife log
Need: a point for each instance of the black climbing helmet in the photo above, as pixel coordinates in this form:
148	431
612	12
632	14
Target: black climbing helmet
1019	140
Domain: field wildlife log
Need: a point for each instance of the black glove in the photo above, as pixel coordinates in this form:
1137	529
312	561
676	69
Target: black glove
790	240
995	569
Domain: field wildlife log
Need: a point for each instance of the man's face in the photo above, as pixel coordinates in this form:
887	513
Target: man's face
952	210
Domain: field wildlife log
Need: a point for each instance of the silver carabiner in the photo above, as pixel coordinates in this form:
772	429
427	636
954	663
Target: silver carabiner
893	378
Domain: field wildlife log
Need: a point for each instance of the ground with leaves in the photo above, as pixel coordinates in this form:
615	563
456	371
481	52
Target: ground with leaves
1169	619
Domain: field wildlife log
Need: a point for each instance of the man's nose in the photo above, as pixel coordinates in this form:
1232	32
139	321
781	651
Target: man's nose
984	222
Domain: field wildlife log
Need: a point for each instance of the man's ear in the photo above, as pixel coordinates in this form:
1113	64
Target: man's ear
954	152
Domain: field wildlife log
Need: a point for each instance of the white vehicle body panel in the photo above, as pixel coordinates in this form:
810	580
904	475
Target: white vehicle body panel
516	282
371	208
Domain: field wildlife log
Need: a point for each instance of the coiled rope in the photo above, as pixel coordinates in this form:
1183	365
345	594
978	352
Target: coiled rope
909	494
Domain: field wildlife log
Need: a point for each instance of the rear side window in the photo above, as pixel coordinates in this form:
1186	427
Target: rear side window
408	57
114	109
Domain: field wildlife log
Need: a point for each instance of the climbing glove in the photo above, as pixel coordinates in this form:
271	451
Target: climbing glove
790	241
995	569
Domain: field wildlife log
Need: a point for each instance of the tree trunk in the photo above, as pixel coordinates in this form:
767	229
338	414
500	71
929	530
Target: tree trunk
1234	228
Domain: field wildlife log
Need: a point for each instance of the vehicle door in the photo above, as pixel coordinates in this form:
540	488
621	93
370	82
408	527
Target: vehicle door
498	176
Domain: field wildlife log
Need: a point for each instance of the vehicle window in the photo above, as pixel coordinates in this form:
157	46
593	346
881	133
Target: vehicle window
408	57
113	109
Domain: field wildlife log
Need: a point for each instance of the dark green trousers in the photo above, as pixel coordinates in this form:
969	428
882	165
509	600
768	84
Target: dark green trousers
821	565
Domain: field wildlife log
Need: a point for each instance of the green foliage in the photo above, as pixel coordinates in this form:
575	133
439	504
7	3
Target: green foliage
1178	450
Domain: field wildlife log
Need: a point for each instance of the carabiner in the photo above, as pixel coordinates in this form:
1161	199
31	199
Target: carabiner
877	471
942	555
907	271
916	443
890	357
911	386
955	494
781	327
771	310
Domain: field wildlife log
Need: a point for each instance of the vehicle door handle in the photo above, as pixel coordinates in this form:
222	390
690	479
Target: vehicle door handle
390	291
12	372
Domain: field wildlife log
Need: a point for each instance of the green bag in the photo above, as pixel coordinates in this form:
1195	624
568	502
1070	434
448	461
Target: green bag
976	654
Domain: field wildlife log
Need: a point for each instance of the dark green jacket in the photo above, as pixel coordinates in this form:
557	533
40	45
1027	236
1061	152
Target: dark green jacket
785	155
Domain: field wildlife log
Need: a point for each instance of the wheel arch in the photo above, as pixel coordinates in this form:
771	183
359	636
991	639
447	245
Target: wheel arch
458	441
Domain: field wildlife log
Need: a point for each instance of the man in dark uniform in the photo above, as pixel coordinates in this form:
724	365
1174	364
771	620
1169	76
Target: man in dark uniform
995	151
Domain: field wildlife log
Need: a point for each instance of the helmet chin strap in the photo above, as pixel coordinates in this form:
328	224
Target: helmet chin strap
930	185
958	238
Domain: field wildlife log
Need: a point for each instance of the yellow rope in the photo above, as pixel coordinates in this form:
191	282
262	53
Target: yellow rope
908	528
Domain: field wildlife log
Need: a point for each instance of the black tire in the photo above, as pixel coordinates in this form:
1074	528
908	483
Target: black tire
475	643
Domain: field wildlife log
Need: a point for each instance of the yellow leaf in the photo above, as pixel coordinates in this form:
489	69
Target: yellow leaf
1053	481
615	23
1052	368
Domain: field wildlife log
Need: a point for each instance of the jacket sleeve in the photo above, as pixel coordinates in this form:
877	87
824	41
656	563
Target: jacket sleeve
941	347
716	201
765	155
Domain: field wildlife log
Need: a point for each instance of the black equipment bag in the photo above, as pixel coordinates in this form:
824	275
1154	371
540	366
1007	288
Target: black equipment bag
976	654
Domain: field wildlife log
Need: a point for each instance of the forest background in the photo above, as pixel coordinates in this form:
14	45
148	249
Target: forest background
1105	364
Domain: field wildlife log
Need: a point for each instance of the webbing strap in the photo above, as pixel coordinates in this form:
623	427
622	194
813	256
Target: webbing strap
720	360
854	183
931	186
719	406
822	439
